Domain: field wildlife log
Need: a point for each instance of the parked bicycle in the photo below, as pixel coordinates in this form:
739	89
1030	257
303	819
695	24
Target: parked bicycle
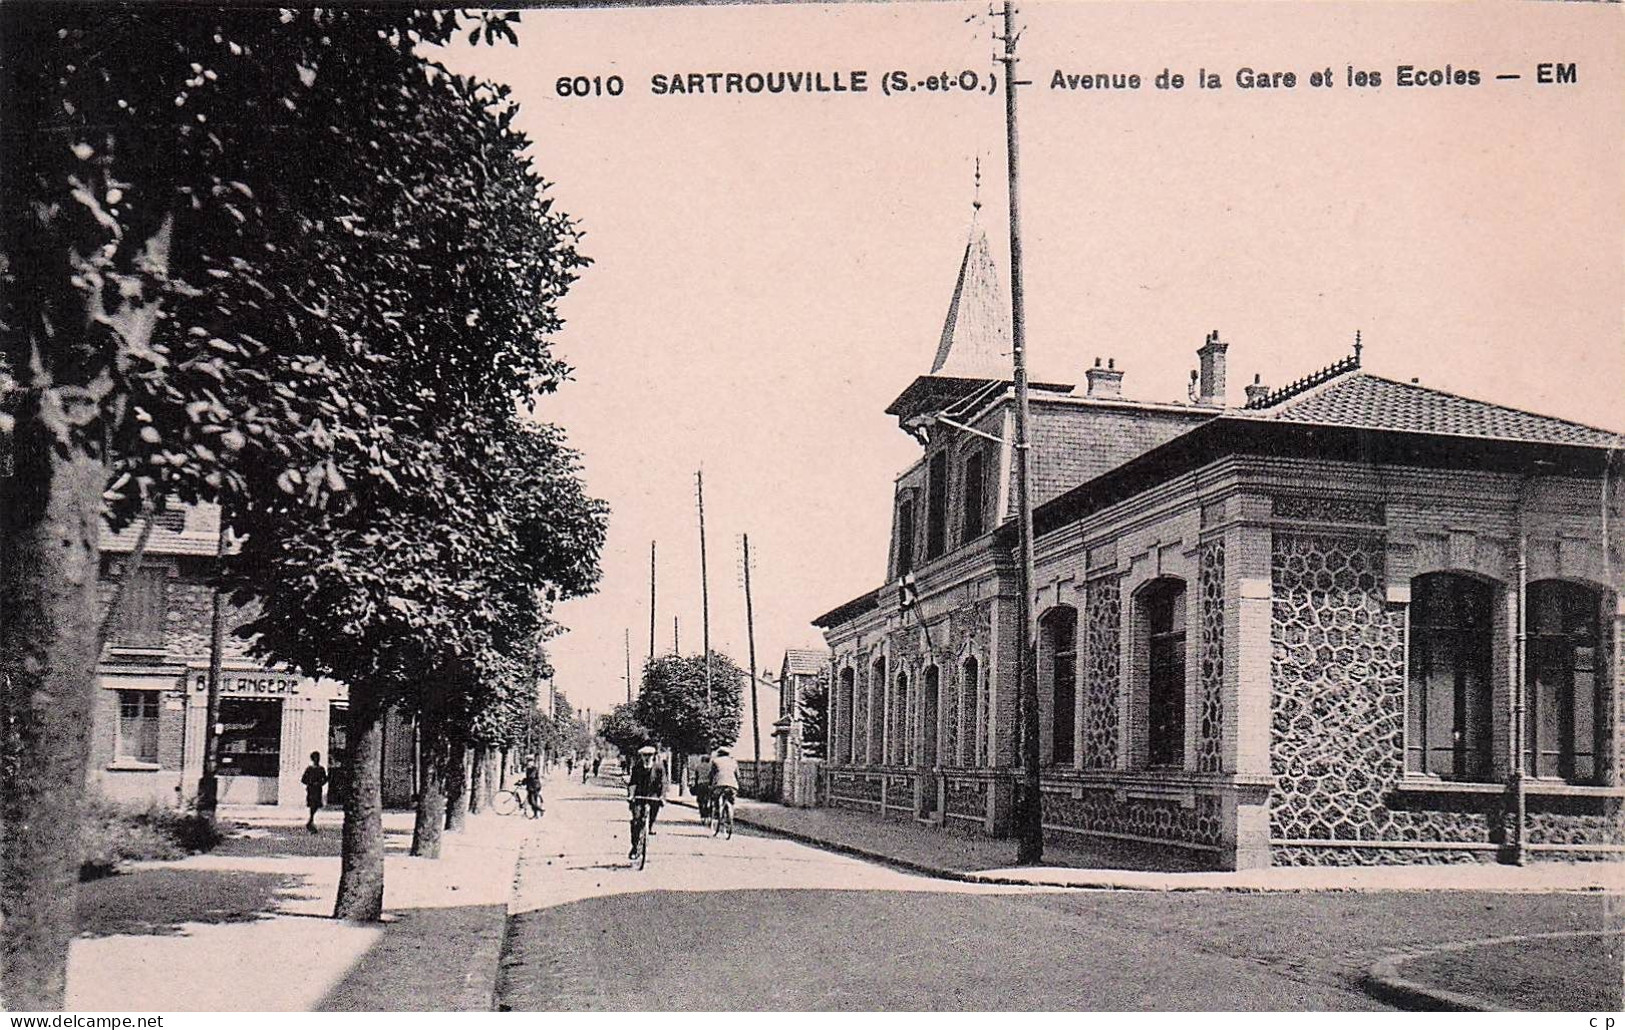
511	800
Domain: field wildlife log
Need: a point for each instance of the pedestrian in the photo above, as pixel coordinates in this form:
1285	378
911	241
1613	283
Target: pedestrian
701	785
596	759
583	770
314	779
569	764
533	788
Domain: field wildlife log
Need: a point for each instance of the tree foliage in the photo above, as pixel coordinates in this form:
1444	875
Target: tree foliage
672	702
814	712
621	729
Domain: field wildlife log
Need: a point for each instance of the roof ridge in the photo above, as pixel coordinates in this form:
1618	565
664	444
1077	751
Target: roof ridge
1303	384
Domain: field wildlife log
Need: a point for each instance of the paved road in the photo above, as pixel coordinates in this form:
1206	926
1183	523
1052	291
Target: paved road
791	927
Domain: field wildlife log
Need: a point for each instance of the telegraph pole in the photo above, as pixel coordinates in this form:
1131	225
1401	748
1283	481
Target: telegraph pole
1029	815
705	594
750	637
674	644
628	666
208	786
651	600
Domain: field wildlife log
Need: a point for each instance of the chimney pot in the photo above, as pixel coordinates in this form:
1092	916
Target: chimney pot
1105	382
1211	387
1256	390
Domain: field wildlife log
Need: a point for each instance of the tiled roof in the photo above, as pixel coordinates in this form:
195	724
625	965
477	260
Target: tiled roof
182	530
804	661
1366	401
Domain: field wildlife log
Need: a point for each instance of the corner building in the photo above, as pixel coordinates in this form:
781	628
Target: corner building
1284	633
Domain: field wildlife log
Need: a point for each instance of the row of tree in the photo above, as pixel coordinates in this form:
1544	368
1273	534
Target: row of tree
285	261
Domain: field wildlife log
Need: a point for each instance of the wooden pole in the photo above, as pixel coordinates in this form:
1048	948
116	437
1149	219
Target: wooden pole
1030	827
651	600
750	637
208	786
705	593
628	666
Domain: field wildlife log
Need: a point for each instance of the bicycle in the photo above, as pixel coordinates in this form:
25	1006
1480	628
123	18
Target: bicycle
723	803
640	830
511	800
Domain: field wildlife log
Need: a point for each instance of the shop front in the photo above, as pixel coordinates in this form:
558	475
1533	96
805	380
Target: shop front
267	725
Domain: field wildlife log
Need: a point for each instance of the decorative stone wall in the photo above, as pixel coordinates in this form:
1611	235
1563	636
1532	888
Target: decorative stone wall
1160	819
844	788
1101	674
1210	724
966	797
1338	683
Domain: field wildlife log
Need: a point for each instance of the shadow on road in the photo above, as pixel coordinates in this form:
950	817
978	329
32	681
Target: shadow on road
157	902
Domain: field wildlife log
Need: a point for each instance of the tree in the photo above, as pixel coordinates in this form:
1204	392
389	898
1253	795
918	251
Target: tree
621	730
672	702
170	312
814	712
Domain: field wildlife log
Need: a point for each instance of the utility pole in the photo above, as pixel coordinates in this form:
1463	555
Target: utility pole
674	646
628	666
750	637
651	600
1029	815
208	786
705	594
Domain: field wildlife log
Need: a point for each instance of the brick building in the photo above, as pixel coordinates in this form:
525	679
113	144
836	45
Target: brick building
1286	632
150	716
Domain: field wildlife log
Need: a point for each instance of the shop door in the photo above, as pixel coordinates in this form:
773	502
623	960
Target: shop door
250	750
338	754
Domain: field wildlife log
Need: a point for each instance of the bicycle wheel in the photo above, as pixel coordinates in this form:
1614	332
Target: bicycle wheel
643	837
506	802
727	816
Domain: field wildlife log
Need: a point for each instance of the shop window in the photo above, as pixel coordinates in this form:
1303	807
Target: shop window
338	753
1563	682
137	726
905	538
936	506
975	502
1058	672
1448	720
250	737
1162	608
141	617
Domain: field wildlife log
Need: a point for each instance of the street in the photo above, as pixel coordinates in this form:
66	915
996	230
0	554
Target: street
758	922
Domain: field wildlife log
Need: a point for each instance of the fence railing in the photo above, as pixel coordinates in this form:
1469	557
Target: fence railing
762	781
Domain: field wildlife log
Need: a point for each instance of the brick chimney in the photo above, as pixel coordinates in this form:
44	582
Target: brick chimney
1210	387
1105	382
1256	390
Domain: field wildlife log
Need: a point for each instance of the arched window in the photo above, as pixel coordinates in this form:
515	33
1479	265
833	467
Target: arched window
905	538
930	704
899	738
1449	716
975	500
936	506
974	712
1563	682
1162	615
1058	678
843	725
875	752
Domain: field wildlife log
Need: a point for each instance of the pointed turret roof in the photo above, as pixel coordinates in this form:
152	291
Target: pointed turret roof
976	334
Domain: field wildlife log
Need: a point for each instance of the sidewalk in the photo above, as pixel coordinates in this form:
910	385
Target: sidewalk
959	856
247	926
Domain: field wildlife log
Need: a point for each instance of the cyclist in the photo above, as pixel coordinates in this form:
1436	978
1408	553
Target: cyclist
724	779
646	786
702	786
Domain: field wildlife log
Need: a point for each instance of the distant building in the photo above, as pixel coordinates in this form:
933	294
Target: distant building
150	716
802	671
1284	633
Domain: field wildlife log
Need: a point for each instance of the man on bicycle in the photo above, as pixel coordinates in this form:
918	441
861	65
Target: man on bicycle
646	786
702	785
724	778
533	788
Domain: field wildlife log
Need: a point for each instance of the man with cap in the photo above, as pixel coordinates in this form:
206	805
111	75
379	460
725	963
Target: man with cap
648	781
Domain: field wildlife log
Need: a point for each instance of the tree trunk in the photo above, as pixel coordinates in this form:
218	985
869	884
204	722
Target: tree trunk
50	513
488	782
478	782
457	787
361	876
431	812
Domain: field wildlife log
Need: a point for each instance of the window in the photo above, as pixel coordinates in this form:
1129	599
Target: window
975	714
250	737
146	597
137	726
930	702
900	735
843	726
1058	669
1163	603
974	501
1563	682
1447	731
875	753
936	506
905	538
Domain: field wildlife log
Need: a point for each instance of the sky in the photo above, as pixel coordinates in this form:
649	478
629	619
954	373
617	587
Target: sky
772	269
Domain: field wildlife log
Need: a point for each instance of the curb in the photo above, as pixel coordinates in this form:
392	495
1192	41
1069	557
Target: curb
481	984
